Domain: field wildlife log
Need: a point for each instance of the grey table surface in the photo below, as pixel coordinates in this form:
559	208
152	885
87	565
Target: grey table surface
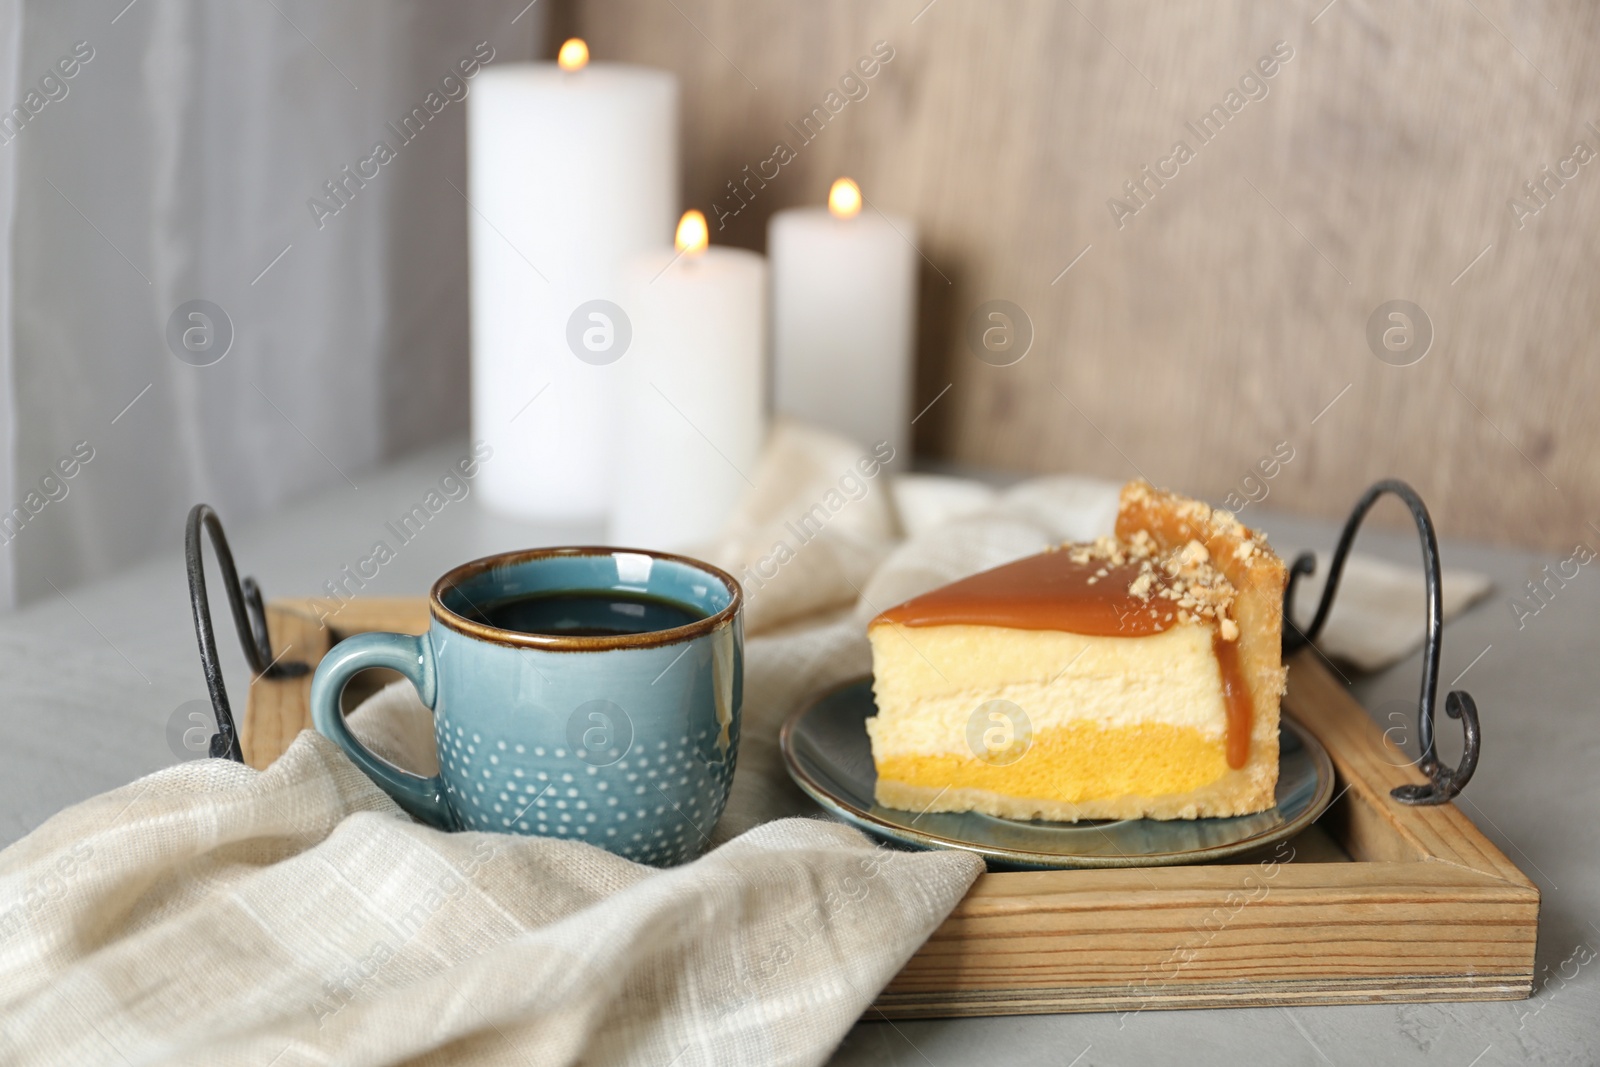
95	676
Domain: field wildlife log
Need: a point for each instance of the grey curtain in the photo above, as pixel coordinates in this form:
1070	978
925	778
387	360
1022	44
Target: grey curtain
213	285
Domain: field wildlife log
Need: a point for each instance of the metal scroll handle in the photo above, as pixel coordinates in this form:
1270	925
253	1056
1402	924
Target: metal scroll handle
249	618
1443	782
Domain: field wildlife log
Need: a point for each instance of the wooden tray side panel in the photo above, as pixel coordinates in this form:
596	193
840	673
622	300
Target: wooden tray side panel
1430	910
1260	934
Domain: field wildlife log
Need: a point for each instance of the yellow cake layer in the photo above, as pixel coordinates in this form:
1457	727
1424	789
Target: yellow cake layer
1075	763
1237	792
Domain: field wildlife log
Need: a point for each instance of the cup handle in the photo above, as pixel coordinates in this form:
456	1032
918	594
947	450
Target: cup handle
412	657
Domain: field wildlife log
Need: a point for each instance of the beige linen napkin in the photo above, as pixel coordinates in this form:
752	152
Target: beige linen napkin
1380	615
212	914
215	915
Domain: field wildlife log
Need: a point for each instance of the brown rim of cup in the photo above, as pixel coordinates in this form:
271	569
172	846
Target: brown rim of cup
553	643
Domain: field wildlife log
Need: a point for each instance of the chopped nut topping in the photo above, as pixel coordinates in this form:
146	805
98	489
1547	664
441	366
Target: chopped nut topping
1199	546
1186	576
1194	553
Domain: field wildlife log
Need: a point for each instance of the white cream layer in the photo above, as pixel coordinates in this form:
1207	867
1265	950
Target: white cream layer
928	681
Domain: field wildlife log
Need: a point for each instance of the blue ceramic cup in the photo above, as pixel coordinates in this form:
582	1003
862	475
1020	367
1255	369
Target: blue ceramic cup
585	693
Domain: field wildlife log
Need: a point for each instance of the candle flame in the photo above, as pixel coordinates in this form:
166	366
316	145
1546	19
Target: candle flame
692	233
844	199
574	55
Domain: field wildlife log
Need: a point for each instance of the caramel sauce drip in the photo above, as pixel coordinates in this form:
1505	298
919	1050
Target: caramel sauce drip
1236	698
1051	591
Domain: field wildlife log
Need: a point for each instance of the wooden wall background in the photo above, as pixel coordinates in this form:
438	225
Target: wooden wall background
1229	313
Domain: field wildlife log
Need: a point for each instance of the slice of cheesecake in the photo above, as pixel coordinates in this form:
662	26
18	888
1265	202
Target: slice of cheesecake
1137	676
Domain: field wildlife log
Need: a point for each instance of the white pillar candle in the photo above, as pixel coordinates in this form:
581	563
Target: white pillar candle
694	410
843	311
571	174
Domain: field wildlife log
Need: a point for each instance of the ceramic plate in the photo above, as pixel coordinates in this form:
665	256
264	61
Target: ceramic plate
826	749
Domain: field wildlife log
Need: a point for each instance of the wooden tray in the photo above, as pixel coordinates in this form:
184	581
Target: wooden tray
1376	902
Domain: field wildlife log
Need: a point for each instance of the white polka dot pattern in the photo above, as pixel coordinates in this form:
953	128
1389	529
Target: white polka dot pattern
655	804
